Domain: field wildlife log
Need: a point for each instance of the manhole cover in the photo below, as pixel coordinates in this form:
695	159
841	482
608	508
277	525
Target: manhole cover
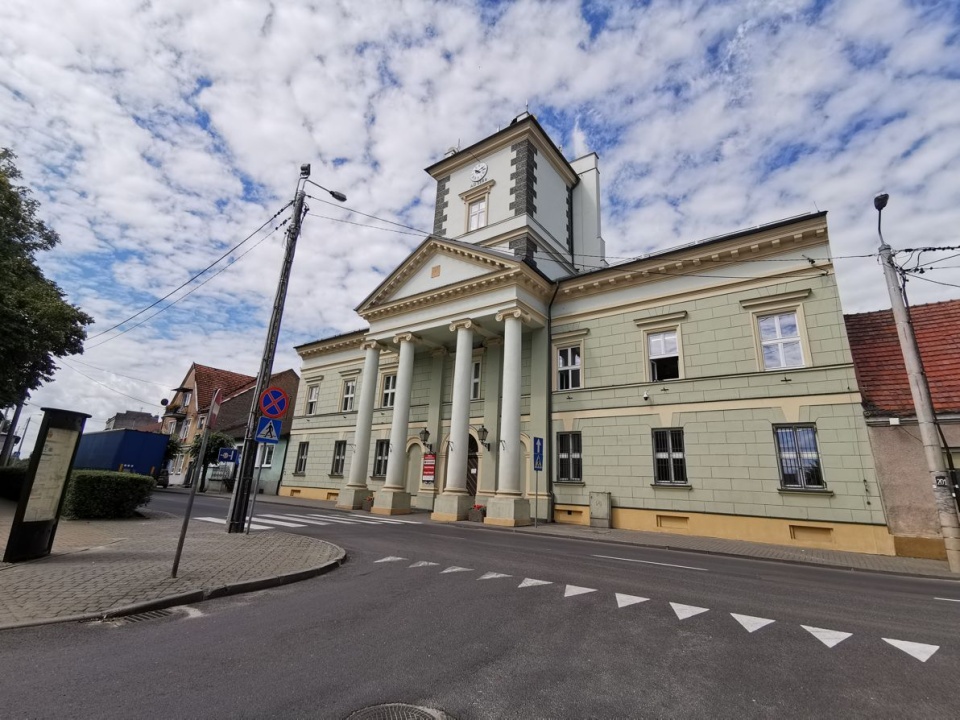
398	711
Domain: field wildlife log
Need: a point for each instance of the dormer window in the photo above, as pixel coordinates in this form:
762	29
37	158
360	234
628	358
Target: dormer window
477	214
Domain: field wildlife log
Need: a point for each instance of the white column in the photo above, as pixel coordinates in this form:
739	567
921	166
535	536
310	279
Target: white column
509	476
356	488
460	413
399	430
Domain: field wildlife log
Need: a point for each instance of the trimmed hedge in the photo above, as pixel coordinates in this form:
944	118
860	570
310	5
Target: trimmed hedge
102	494
11	481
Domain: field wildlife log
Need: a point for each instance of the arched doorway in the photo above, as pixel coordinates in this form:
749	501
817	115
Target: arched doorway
473	466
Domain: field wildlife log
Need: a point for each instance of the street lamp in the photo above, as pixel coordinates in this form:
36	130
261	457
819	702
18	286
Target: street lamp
482	433
241	492
424	438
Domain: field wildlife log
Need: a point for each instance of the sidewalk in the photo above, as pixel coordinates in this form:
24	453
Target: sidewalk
102	568
689	543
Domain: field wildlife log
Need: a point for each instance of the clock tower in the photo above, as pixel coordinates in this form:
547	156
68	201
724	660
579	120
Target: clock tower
515	192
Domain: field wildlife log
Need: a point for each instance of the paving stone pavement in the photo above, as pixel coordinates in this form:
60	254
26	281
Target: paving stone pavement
100	566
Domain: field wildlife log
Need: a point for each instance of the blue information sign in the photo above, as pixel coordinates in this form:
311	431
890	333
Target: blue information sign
268	431
227	455
538	454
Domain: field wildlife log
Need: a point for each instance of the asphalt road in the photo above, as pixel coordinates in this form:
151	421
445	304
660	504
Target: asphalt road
619	632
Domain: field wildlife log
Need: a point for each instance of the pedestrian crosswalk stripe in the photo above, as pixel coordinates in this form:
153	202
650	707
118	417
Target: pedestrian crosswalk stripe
750	623
221	521
920	651
530	582
298	518
492	576
576	590
827	637
687	611
345	519
625	600
282	523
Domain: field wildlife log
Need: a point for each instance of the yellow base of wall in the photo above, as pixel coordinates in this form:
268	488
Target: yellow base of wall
506	522
850	537
920	547
310	493
443	517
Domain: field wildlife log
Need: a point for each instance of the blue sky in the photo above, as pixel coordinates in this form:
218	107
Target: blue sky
157	135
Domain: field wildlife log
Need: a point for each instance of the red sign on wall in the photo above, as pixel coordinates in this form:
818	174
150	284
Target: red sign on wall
429	468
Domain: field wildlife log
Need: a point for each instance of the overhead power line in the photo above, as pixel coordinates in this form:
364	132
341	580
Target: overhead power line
365	225
104	385
372	217
114	372
181	286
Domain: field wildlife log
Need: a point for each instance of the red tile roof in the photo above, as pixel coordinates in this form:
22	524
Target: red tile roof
881	372
208	379
236	407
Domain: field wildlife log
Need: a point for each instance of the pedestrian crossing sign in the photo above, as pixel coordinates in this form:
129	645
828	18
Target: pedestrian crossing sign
268	431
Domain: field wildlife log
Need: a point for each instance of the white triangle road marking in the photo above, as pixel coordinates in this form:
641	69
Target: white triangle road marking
686	611
423	563
577	590
492	576
530	582
827	637
920	651
624	600
750	623
454	568
389	558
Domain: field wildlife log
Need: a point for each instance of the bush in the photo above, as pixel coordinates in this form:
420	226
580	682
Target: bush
11	481
100	494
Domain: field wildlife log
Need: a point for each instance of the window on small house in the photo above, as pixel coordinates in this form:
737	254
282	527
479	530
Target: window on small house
201	421
477	213
349	392
178	465
339	456
664	356
185	400
185	429
569	457
303	450
475	381
669	460
389	395
265	456
568	368
380	456
780	341
799	458
313	396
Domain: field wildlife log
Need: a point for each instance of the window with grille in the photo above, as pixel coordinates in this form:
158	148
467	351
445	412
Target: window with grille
349	392
569	457
798	456
664	355
389	394
380	458
313	396
568	368
302	450
339	455
669	460
475	381
477	214
780	341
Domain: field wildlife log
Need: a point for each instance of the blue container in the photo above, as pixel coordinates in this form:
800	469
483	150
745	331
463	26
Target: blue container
123	450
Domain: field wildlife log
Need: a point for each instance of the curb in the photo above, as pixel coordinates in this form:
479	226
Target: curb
192	596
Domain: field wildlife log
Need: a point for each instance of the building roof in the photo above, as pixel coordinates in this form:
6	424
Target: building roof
207	379
881	372
236	405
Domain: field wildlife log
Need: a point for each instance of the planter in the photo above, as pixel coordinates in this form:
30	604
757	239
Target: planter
367	504
476	515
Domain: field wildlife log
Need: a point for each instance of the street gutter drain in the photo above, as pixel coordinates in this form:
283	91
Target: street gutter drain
398	711
149	615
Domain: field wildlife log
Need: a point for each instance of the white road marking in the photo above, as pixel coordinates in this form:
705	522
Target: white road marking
948	599
492	576
920	651
687	611
221	521
750	623
625	600
650	562
577	590
390	558
530	582
191	612
827	637
423	563
266	519
346	520
300	518
454	568
368	520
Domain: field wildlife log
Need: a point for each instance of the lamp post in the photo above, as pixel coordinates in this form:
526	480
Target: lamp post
926	417
241	491
424	438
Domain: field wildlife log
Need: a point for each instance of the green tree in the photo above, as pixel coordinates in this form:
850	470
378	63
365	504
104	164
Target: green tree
37	324
215	443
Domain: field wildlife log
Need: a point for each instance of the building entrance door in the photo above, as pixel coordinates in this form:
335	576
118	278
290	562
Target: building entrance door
473	465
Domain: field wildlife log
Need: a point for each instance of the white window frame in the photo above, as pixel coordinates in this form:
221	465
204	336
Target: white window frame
185	429
661	333
571	454
476	377
348	394
671	454
178	464
265	455
339	458
388	390
201	421
571	372
303	452
313	398
381	456
477	213
780	340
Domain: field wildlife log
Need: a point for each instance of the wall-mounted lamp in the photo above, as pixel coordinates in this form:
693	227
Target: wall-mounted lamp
646	395
424	438
482	433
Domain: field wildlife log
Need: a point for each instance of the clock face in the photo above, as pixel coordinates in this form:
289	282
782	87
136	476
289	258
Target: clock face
479	172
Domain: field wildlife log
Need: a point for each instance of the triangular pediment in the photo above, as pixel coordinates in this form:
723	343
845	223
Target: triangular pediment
435	265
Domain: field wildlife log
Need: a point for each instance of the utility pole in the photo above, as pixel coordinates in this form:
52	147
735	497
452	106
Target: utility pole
241	491
7	449
943	493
